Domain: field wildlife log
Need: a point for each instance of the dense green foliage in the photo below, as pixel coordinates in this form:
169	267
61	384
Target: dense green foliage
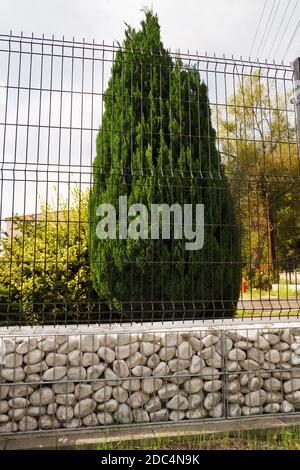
157	145
259	141
44	264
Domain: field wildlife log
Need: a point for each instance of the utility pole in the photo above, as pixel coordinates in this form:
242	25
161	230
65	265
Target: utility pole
296	99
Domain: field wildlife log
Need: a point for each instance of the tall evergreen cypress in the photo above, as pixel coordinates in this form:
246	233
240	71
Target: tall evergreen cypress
157	145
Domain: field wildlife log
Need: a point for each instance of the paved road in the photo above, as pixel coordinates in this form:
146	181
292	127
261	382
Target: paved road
270	304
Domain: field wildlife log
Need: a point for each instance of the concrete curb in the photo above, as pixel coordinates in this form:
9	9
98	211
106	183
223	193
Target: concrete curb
90	439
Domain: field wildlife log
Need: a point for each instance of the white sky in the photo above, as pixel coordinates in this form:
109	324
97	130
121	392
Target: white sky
221	26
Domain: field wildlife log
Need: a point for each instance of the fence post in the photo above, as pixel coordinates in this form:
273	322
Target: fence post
296	98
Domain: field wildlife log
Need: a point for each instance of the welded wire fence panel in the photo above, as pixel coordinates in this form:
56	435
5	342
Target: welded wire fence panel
197	158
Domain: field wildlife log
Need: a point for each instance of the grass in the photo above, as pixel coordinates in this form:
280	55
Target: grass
284	439
267	313
282	293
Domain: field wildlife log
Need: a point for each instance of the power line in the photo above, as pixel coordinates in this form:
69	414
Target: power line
266	28
279	28
292	39
257	29
270	28
286	28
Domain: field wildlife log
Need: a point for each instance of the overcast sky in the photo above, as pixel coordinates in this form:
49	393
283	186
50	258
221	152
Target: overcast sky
221	26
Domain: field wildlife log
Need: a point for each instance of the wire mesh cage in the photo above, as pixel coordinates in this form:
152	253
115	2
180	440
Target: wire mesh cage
208	143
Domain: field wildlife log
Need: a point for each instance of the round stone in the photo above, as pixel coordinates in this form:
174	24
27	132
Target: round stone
166	354
89	343
120	368
84	408
54	373
168	391
141	371
178	402
123	414
42	396
65	399
36	411
291	385
132	385
170	339
74	358
27	345
109	406
176	415
176	365
287	407
209	340
159	416
120	394
211	400
16	414
94	372
12	375
90	420
33	357
55	359
12	360
237	355
213	385
19	402
272	408
273	356
28	423
150	386
249	364
105	419
234	410
140	416
106	354
154	404
217	411
136	360
89	359
153	361
272	384
193	385
254	399
4	406
196	364
137	400
69	345
64	413
82	391
48	344
161	370
103	394
76	373
123	352
65	387
146	349
49	422
184	351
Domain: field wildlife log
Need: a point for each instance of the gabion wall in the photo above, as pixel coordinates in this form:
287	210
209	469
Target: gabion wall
94	380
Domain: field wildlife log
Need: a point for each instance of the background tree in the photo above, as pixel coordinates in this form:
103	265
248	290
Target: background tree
259	145
157	145
44	268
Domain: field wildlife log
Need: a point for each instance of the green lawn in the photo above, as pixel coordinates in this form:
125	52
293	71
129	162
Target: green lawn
285	439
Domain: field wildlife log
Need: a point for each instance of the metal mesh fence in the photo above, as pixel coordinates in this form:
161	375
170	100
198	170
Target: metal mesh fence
157	138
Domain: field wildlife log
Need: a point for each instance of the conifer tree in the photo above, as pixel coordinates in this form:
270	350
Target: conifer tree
157	145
